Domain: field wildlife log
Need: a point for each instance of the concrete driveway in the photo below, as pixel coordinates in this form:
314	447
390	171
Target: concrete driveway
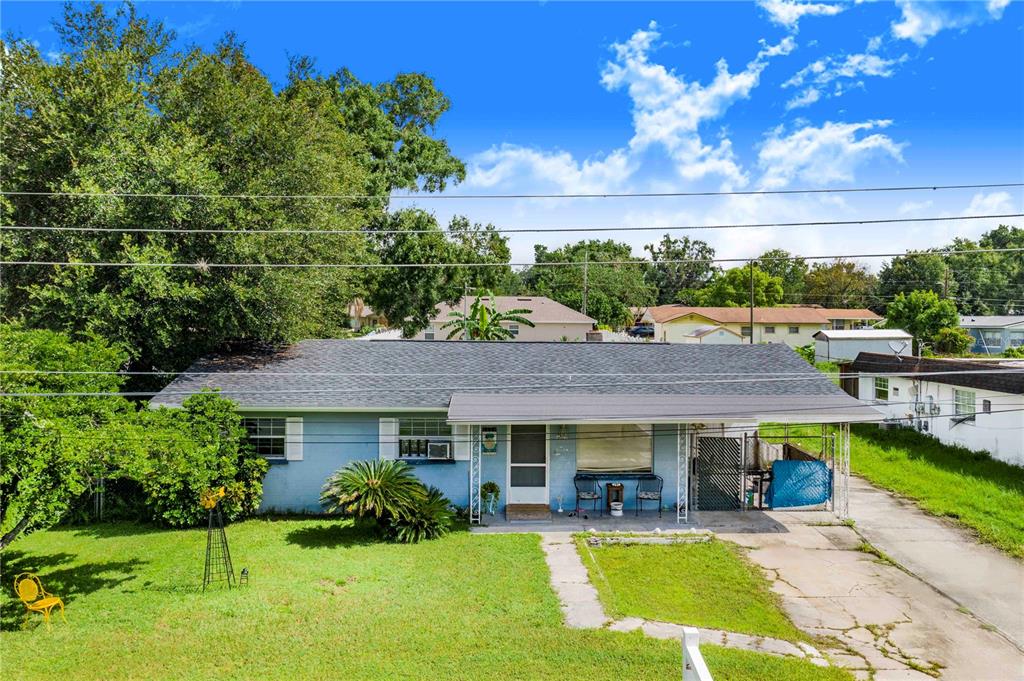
980	578
881	619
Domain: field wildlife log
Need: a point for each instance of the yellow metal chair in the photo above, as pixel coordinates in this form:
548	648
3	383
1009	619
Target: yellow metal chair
35	597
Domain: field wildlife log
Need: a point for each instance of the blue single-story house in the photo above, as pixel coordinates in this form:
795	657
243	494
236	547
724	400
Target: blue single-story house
529	416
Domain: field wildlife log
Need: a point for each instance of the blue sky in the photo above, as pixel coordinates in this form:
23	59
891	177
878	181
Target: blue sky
562	98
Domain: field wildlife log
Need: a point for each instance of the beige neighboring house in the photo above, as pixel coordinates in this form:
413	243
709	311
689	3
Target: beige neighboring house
795	325
553	321
360	314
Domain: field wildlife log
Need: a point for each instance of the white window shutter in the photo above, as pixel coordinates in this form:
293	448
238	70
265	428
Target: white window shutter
388	439
293	438
463	440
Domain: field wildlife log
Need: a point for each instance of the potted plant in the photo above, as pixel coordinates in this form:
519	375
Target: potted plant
490	493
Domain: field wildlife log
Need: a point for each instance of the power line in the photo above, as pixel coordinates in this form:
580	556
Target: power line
562	386
201	265
518	230
604	195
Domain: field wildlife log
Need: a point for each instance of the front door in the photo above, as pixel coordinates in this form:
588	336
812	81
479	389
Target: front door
528	465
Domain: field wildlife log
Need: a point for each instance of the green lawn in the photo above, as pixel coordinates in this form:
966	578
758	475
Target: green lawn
325	601
705	585
981	493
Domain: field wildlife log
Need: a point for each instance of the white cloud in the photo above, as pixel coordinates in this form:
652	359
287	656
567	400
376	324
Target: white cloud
920	21
668	109
789	12
994	203
823	155
837	69
911	207
806	98
508	163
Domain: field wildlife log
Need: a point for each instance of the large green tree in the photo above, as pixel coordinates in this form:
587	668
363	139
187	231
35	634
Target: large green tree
611	289
792	271
840	283
916	271
922	314
675	279
123	112
732	289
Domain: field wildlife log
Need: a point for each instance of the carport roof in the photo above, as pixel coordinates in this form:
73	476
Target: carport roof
610	408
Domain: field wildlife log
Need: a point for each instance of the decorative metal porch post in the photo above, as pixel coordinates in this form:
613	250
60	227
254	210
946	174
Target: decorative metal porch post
682	472
475	454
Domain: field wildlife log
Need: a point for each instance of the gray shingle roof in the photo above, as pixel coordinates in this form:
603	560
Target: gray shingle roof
1000	378
991	321
343	374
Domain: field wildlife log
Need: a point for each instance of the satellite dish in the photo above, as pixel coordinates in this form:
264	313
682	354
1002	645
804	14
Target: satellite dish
898	347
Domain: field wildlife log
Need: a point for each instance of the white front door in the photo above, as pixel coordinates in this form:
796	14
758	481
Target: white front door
528	465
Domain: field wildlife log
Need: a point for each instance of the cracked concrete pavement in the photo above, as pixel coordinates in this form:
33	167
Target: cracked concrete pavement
979	577
881	618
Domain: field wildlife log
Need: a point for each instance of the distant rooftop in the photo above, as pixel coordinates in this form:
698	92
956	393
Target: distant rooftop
863	334
990	321
762	315
543	310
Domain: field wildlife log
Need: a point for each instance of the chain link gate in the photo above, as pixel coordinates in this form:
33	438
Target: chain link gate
719	473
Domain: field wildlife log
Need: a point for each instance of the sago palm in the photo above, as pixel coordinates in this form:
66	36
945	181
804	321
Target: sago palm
376	489
484	321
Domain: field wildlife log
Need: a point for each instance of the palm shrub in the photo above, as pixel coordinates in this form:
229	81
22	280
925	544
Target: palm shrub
376	489
431	517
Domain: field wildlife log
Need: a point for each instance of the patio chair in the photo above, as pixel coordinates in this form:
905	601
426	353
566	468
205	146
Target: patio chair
31	592
648	488
587	489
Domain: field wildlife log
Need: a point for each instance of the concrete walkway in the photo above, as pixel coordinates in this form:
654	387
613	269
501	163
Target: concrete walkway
978	577
583	610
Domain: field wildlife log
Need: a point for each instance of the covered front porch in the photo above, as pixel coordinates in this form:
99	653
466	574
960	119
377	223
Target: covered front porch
657	461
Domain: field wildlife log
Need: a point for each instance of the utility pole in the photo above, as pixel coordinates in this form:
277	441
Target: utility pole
751	302
586	266
465	311
945	279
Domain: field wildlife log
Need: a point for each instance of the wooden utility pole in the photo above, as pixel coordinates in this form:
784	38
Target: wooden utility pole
751	302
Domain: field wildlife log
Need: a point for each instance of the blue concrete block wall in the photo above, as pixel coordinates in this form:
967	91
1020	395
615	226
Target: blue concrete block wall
333	440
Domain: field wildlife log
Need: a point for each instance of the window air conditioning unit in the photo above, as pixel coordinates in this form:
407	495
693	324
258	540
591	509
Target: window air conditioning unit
439	450
919	408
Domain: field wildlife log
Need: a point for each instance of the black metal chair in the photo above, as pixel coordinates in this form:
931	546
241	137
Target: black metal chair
648	488
587	489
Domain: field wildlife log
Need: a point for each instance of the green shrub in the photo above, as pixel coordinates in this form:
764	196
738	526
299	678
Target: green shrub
429	518
1014	353
807	352
952	341
190	450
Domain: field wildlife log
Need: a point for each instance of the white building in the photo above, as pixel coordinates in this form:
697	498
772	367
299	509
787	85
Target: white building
843	346
552	320
949	399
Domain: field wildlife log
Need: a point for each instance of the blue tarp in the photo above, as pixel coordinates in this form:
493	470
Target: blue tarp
799	483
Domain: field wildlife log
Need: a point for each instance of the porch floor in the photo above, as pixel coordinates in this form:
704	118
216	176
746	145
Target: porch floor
739	522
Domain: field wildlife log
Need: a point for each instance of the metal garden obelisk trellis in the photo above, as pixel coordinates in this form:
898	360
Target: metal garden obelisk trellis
218	557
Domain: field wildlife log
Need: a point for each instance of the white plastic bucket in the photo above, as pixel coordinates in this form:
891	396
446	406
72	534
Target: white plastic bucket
616	509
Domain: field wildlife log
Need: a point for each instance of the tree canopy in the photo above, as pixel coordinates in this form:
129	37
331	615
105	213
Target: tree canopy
674	281
923	315
611	288
732	289
212	145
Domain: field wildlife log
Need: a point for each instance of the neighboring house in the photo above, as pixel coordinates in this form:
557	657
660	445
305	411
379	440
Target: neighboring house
529	416
795	325
552	321
994	335
360	314
841	319
713	334
976	404
843	346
